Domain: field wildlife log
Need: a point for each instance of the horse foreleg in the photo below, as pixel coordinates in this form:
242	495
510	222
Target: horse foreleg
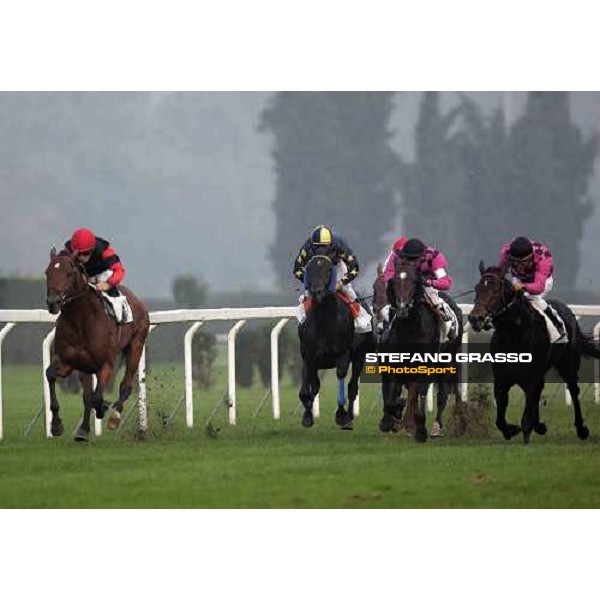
353	386
133	355
341	416
582	430
103	377
409	418
306	394
532	400
389	390
420	391
441	401
83	430
56	369
501	395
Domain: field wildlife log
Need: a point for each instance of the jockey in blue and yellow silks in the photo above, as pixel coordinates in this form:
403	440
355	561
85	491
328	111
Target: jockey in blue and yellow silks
325	242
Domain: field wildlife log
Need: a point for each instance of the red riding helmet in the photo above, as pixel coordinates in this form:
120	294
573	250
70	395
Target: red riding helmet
399	243
83	240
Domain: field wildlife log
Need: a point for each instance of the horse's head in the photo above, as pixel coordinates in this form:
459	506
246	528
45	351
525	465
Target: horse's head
493	295
406	286
64	279
317	276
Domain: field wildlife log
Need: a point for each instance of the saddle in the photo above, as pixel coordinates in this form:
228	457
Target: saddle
352	305
116	306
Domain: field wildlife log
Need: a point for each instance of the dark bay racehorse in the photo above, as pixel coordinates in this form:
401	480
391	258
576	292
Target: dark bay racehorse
414	325
518	327
328	341
90	341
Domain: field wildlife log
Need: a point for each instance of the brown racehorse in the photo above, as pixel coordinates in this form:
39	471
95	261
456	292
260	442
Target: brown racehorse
89	341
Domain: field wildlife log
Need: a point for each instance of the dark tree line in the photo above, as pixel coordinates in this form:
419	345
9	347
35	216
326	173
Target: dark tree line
474	183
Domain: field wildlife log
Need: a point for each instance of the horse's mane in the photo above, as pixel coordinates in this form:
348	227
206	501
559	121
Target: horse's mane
64	253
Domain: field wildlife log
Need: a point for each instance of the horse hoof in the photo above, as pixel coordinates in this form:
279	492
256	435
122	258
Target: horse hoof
421	435
510	431
436	430
81	435
389	424
114	421
101	409
583	433
341	417
348	426
384	426
57	429
307	419
540	429
526	437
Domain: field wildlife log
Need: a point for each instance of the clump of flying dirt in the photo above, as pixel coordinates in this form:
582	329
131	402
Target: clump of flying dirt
164	421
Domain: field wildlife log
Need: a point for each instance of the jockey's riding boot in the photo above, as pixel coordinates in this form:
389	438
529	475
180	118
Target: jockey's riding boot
452	333
124	314
448	322
556	321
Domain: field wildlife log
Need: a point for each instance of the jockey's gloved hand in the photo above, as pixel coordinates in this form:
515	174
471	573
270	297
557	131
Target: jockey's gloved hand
339	285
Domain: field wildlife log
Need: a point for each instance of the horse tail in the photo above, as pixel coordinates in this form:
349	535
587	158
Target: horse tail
588	345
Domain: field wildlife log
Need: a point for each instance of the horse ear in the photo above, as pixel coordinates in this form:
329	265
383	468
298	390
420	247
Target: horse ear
481	267
379	269
52	253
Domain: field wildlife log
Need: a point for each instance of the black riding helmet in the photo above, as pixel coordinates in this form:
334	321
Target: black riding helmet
413	249
520	249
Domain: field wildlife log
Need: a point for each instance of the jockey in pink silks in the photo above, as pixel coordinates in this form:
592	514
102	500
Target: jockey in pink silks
433	267
531	267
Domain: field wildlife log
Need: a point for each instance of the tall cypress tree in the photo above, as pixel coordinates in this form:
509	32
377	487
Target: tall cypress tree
473	185
334	166
432	187
551	164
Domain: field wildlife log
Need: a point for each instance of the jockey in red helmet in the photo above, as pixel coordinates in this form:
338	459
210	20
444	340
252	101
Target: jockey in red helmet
103	267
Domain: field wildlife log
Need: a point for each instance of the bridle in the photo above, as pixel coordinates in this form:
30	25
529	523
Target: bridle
320	258
399	279
505	307
77	272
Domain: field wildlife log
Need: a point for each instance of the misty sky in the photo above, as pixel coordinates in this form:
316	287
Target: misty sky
179	182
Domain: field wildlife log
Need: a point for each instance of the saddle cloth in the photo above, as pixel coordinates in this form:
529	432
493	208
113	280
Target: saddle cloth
117	308
353	306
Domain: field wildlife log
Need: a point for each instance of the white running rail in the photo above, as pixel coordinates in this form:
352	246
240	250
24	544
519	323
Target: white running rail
196	317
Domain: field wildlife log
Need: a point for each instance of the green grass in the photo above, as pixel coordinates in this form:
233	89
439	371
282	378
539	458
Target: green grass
265	463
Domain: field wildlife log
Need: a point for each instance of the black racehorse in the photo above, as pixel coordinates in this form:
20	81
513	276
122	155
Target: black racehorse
414	326
519	327
328	341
